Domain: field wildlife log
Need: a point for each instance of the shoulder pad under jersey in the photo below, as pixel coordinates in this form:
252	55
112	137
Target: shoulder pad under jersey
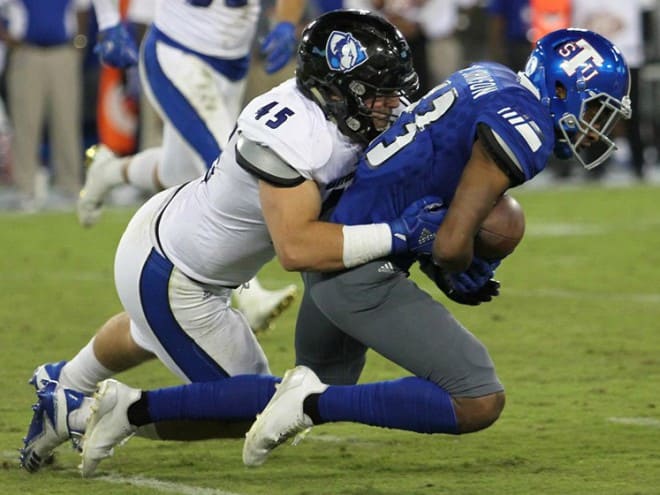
263	162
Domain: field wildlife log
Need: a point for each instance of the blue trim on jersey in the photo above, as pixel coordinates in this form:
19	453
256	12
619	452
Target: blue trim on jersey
46	22
234	69
189	357
180	112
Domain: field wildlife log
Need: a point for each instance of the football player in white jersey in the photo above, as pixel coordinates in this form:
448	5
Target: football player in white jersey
194	73
189	246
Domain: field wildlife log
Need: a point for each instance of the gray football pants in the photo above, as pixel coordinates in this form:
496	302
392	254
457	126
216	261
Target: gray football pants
376	306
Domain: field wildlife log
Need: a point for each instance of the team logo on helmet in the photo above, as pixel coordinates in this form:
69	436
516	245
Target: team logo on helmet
580	56
343	52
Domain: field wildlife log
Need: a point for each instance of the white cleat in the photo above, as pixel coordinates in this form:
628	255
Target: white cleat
283	416
108	424
97	184
49	427
266	305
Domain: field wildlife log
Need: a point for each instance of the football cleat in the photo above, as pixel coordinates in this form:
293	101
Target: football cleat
49	427
283	416
49	372
108	424
97	185
263	306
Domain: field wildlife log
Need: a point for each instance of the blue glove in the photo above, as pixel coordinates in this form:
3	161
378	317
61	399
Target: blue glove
116	47
471	287
475	277
414	231
278	46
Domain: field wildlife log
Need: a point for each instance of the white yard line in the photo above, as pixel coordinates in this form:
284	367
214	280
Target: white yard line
650	422
161	486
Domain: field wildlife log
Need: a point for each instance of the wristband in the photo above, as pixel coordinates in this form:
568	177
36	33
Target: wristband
364	243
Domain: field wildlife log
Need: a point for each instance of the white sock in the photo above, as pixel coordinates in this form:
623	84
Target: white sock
84	371
113	173
142	167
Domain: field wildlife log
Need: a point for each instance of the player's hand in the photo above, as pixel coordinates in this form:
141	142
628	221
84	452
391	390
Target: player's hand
471	287
414	231
116	47
475	277
278	46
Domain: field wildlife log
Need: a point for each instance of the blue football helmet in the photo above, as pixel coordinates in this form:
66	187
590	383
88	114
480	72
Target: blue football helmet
585	82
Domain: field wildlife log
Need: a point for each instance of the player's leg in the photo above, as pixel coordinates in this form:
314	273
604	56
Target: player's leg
28	108
455	389
335	357
406	325
65	117
61	410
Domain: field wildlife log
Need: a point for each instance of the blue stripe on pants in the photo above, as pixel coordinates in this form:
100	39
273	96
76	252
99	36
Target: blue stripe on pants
189	357
183	116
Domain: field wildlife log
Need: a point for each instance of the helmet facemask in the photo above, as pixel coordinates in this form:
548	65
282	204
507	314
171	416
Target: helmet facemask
598	115
365	117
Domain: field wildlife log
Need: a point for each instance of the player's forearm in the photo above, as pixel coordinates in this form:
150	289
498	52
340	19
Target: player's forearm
323	246
107	13
289	10
316	247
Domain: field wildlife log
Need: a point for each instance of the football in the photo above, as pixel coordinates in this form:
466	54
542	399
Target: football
502	230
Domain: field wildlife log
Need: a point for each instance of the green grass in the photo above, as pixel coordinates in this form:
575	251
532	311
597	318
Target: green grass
575	336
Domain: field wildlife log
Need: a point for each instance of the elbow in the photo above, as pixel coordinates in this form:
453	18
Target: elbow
290	257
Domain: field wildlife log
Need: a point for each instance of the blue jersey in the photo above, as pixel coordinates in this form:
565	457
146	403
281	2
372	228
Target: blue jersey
427	148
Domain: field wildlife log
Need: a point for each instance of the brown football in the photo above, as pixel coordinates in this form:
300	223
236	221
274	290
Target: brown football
502	230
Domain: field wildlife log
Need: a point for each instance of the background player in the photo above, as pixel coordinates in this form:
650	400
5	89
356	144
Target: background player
193	66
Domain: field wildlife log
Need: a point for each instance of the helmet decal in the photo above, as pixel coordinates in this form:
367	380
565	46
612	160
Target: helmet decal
580	55
343	52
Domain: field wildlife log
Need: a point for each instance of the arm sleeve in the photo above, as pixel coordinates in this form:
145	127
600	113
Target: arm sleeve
501	154
107	13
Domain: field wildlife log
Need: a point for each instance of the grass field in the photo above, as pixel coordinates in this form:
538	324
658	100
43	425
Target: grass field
575	336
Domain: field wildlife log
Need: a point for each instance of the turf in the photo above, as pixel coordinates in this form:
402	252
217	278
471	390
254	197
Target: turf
574	336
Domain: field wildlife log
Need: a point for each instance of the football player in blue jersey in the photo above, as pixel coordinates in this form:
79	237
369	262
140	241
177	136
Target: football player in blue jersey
485	130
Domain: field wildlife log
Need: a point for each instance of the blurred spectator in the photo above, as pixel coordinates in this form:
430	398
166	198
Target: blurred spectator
6	157
259	81
440	23
405	15
509	32
650	75
620	22
44	86
548	15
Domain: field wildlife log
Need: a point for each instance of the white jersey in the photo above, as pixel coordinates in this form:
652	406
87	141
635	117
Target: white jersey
213	230
216	29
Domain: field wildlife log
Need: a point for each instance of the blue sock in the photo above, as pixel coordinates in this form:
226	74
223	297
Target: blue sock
240	397
412	404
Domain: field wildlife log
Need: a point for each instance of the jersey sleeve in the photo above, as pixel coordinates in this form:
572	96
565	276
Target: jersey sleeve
291	127
518	133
